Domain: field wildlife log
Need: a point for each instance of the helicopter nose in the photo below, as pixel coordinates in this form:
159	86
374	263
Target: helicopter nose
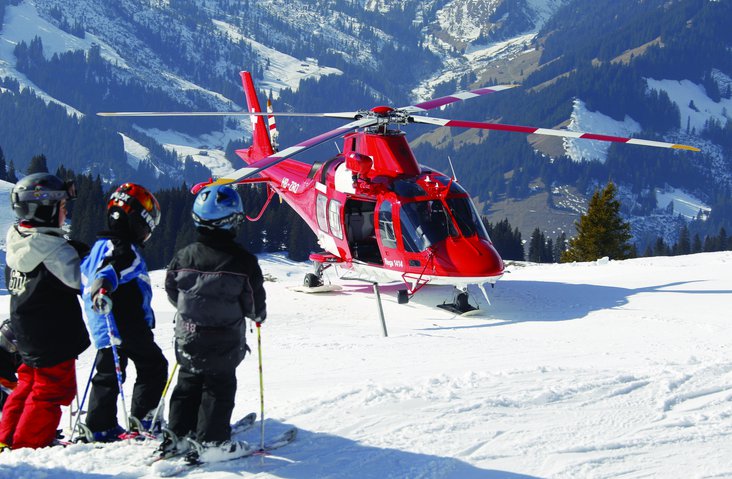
473	257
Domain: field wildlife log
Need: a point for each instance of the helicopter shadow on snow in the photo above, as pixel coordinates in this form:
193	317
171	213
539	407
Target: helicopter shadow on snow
545	301
316	454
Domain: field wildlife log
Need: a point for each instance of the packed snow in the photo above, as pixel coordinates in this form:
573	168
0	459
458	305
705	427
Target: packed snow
602	369
461	22
685	204
694	104
282	70
206	149
588	121
22	23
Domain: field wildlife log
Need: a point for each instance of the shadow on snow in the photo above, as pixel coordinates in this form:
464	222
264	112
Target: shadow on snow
311	455
326	455
533	301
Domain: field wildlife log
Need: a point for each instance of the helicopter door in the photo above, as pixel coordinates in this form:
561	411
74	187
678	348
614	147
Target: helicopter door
360	231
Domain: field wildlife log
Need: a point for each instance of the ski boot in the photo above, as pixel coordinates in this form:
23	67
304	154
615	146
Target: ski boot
171	445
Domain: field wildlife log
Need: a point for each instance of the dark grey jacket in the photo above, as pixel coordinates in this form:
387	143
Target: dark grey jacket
214	283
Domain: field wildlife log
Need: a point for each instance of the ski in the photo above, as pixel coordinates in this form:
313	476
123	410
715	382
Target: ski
240	426
243	424
180	465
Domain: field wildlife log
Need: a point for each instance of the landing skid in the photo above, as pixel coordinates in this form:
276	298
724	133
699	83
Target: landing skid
460	304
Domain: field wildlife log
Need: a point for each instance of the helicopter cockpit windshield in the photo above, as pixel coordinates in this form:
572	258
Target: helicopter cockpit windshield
425	223
467	217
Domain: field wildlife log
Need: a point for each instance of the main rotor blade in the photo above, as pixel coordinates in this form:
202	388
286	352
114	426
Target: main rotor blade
455	97
271	160
548	132
346	114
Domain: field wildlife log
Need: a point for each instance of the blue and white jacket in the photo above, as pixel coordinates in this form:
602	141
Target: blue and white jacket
116	264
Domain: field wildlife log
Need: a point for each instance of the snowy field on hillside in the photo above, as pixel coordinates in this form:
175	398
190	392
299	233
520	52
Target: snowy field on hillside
603	370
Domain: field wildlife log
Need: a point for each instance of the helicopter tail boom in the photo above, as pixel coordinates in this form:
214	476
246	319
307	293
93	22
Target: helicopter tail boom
261	142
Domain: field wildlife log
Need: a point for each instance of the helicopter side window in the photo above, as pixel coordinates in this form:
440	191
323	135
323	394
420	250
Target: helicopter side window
334	217
322	212
386	225
424	223
467	217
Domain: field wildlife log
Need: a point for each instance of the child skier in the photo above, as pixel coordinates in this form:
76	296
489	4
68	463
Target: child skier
117	295
214	283
42	275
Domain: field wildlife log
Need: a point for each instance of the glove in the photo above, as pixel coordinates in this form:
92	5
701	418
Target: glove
101	302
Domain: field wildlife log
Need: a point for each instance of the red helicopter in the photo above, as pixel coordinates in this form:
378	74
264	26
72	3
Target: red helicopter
376	212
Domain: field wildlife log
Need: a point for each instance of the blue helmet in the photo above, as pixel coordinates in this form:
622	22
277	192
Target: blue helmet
218	207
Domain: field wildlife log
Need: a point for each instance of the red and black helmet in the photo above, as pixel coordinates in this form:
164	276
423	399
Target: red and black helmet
133	210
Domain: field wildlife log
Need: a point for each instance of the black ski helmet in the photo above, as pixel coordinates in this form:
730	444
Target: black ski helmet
132	210
36	198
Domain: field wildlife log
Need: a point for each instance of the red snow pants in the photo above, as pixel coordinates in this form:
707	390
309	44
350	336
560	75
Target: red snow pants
32	412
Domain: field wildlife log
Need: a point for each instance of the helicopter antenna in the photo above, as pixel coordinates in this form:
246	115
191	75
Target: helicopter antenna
337	147
449	160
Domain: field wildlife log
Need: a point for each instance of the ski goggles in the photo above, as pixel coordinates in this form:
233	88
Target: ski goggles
47	196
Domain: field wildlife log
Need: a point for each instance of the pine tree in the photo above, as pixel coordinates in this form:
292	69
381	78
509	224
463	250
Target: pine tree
38	164
87	213
697	244
660	249
601	231
508	243
548	252
3	166
684	244
723	240
536	246
560	246
711	244
12	177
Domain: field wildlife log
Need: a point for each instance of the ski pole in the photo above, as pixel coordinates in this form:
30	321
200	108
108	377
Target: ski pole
162	397
261	385
83	401
117	369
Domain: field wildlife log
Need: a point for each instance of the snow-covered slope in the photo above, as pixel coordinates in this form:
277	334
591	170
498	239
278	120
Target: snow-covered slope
470	35
600	370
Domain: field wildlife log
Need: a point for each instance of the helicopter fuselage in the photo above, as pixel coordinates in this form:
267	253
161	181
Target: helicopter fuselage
378	213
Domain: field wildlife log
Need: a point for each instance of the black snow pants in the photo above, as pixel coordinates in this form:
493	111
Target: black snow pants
151	367
201	405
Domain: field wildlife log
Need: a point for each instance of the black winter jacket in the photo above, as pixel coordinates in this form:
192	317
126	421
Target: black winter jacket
42	275
214	283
